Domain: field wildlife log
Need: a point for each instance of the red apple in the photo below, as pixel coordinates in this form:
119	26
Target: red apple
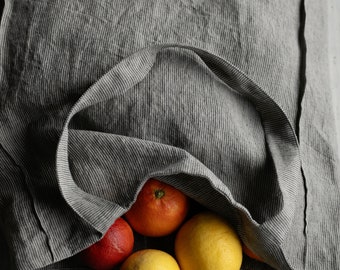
112	249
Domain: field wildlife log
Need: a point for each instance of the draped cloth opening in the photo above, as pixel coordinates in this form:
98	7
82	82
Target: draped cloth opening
281	146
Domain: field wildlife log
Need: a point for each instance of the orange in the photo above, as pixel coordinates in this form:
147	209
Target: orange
150	259
250	254
208	242
115	246
159	209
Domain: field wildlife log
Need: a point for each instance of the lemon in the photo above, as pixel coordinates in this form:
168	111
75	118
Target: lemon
150	259
208	242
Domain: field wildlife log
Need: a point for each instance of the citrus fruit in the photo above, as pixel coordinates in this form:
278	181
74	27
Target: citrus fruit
150	259
115	246
208	242
250	254
159	209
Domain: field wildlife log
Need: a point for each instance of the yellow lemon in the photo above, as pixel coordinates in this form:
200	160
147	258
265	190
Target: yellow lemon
150	259
208	242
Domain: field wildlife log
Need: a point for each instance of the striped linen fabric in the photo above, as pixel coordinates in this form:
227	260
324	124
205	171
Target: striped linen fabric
227	101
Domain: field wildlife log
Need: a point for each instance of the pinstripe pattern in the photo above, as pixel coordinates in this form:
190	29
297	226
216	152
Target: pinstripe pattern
90	108
280	138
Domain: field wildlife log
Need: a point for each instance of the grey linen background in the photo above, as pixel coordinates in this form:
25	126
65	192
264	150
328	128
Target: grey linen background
91	107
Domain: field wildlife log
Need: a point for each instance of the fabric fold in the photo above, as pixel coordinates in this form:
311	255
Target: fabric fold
98	96
280	137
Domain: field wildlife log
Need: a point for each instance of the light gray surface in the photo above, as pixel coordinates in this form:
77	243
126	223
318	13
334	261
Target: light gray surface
334	59
318	145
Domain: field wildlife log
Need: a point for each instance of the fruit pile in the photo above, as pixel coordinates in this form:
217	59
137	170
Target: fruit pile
202	240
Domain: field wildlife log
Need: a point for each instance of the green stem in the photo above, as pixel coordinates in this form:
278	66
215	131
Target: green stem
159	193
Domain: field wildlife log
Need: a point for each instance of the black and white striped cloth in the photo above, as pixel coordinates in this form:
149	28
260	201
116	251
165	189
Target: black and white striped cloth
229	101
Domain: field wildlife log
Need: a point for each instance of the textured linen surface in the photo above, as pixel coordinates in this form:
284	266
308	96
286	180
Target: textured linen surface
209	96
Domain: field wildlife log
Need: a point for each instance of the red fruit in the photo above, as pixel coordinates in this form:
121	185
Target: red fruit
159	209
250	254
112	249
